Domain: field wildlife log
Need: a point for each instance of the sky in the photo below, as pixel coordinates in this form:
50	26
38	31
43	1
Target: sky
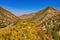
20	7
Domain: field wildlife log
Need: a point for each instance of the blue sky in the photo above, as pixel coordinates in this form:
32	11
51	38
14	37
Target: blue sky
19	7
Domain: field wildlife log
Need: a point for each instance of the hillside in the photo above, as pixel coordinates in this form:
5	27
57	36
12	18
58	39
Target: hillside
52	25
23	30
26	16
42	25
6	17
42	15
45	14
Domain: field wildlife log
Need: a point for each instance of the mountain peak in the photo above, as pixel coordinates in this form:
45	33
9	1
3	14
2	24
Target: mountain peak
49	7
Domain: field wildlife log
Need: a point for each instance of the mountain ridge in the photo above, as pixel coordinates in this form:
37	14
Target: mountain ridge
7	17
47	11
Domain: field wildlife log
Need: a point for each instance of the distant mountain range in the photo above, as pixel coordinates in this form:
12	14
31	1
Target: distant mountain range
26	16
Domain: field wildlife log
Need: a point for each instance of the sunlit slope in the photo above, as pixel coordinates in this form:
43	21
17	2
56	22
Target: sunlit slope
23	31
45	25
53	26
44	14
41	15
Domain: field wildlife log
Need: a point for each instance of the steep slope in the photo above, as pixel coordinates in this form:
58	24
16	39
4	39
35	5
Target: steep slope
45	14
52	25
6	17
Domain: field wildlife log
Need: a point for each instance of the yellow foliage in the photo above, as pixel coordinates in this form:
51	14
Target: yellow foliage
21	31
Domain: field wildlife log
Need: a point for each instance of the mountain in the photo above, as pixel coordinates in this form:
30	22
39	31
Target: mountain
6	17
45	14
24	30
52	25
26	16
42	25
42	15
